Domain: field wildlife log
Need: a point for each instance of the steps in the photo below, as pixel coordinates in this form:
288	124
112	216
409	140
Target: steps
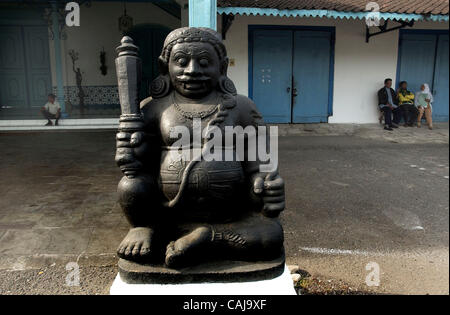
64	124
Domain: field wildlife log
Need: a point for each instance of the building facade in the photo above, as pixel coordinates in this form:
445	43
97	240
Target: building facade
300	63
331	68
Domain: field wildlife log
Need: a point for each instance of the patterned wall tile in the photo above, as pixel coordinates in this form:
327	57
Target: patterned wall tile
94	95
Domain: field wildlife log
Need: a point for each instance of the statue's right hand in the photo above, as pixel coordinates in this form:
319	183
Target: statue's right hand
128	149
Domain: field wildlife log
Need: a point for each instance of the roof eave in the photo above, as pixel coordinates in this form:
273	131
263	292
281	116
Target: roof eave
332	14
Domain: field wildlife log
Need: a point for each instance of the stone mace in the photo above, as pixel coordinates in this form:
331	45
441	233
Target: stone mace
129	74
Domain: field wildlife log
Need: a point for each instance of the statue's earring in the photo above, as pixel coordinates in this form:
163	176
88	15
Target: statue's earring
227	86
160	86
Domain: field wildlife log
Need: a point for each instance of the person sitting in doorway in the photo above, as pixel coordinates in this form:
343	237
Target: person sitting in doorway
406	104
51	110
386	102
423	101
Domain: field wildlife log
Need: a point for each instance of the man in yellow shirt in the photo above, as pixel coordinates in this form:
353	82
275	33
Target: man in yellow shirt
406	103
51	110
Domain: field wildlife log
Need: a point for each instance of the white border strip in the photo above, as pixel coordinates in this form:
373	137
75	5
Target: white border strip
64	124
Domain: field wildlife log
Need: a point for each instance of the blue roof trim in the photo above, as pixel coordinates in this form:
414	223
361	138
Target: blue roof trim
329	14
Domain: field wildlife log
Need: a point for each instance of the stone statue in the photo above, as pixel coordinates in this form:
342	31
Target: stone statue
183	212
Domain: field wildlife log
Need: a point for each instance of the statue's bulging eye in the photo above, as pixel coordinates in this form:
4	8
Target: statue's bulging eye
182	61
204	62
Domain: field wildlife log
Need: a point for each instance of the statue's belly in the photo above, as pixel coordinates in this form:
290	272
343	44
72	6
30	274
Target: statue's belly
214	186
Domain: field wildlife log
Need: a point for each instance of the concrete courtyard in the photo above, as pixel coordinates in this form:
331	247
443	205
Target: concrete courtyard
355	195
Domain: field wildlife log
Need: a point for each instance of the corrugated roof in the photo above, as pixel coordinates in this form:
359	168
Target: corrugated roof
388	6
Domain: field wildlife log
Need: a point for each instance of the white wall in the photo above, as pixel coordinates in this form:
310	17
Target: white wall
99	28
359	69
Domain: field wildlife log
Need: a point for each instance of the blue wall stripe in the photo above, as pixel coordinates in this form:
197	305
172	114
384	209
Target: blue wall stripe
329	14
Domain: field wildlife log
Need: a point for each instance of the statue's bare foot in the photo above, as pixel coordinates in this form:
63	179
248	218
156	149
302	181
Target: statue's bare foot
136	245
179	252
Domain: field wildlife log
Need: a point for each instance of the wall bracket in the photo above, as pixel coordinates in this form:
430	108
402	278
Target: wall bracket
227	20
384	28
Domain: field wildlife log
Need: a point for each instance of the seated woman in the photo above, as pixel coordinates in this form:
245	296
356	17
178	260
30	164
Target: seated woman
424	98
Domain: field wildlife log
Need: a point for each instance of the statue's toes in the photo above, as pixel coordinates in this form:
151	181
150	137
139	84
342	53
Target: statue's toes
170	254
136	249
121	249
145	251
129	249
136	244
145	248
173	255
170	248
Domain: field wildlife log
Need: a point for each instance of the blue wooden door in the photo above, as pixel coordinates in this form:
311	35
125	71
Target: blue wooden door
311	74
291	75
424	59
272	74
38	65
417	60
25	79
150	39
13	82
440	85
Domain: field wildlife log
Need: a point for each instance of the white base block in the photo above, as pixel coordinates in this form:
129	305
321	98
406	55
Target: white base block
282	285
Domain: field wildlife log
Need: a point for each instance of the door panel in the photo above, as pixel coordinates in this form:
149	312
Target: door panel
142	37
311	71
13	86
13	90
272	74
150	39
38	64
417	60
440	88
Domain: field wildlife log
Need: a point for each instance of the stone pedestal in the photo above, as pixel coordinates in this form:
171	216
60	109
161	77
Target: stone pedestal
280	285
213	271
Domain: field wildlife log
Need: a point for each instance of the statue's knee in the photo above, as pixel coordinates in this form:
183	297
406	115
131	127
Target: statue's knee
272	237
264	236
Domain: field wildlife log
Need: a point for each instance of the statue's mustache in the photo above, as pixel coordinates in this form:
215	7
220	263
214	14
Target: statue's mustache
186	79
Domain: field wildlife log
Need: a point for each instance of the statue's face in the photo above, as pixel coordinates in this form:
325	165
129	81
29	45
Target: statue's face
194	69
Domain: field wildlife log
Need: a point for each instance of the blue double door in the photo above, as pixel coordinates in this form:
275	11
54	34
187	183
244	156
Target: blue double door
424	59
291	74
25	78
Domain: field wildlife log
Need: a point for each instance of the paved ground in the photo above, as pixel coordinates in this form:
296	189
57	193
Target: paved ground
357	197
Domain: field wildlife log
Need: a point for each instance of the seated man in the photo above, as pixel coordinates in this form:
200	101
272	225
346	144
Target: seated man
386	97
406	104
51	110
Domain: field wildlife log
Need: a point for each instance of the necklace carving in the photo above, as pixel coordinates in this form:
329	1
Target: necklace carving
195	114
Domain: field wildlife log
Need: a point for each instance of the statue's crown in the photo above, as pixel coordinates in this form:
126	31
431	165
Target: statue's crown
193	34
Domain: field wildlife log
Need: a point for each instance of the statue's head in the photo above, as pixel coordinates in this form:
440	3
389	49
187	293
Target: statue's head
194	62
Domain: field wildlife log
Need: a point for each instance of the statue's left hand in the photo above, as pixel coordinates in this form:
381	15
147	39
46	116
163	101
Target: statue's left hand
271	187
